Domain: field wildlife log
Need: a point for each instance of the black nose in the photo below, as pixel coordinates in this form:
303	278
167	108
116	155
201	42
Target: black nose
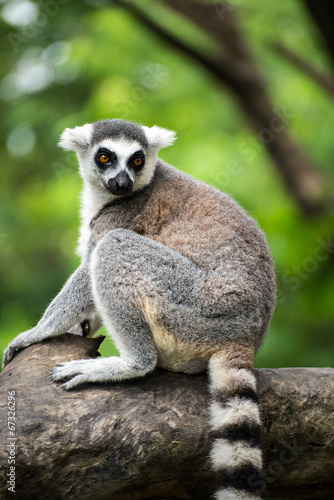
120	185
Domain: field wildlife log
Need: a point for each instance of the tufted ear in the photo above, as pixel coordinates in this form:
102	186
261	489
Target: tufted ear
77	138
159	137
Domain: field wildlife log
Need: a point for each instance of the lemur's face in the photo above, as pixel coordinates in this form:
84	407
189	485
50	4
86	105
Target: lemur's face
116	156
120	166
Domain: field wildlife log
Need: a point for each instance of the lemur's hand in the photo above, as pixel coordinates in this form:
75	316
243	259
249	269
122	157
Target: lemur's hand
23	340
79	372
102	370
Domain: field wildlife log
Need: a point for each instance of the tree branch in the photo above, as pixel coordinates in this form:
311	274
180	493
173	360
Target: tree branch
220	70
325	81
150	438
322	15
235	68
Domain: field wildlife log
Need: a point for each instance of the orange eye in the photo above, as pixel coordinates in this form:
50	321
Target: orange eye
138	162
104	158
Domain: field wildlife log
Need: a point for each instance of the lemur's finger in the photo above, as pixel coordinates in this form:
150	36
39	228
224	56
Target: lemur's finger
8	355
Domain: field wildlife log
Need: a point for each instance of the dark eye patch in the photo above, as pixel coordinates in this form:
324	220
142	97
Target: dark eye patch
105	158
137	160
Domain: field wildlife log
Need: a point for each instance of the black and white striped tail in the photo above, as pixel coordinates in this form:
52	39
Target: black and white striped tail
236	427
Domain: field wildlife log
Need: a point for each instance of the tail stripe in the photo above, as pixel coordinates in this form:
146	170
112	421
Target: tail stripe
232	494
232	455
230	377
250	432
222	396
245	478
235	411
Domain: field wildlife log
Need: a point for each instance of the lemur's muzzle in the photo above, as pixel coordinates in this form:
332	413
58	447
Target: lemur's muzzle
120	185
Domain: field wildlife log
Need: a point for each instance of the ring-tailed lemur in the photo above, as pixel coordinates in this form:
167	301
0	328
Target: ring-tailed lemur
180	276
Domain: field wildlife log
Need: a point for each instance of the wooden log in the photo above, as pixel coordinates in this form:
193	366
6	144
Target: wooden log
150	438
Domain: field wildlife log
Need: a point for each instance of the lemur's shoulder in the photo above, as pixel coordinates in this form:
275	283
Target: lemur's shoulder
171	197
193	201
185	214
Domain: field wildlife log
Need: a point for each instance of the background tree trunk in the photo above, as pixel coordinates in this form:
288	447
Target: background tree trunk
150	438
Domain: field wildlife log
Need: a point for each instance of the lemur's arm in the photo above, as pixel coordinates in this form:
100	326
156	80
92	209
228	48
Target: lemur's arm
71	306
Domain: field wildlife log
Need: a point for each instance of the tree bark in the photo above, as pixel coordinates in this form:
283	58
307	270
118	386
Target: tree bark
150	438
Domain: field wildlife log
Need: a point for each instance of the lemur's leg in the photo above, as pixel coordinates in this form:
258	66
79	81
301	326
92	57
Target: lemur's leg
70	306
235	423
127	272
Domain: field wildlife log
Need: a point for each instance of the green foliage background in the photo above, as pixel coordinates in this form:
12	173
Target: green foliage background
92	60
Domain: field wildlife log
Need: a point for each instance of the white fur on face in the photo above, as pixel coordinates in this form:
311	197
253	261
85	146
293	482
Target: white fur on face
94	195
123	150
78	139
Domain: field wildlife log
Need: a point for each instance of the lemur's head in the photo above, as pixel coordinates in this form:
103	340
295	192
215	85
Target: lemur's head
116	156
